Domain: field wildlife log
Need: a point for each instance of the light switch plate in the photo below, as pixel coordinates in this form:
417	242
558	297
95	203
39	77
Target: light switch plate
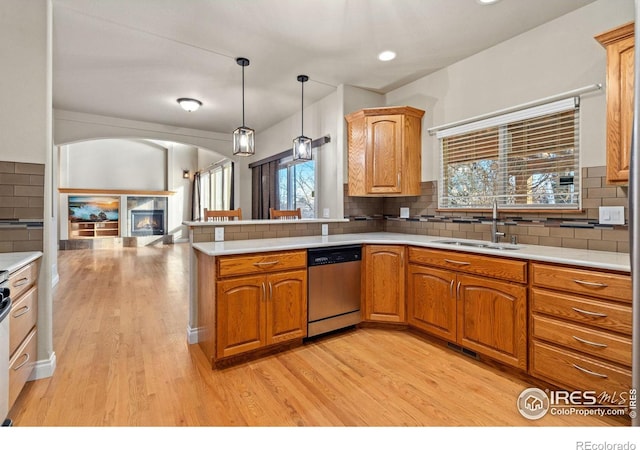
326	213
611	215
325	229
219	234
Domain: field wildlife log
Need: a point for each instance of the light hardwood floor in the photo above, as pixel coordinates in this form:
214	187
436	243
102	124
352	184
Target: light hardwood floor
120	320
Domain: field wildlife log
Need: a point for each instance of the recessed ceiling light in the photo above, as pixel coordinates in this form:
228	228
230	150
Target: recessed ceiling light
387	55
487	2
189	104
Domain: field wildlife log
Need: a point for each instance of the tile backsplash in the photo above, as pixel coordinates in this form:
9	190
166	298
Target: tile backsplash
569	229
21	206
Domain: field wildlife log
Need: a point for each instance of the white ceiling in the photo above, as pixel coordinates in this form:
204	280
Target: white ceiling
133	58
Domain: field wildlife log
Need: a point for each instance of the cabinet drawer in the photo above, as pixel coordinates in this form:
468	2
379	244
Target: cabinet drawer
260	263
569	369
595	343
506	269
581	281
23	316
21	365
598	313
22	279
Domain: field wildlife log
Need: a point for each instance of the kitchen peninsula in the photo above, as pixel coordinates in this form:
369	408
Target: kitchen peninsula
532	296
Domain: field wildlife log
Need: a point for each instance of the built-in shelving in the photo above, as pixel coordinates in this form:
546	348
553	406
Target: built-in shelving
92	230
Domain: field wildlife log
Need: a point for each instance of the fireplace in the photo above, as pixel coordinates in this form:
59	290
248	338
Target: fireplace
147	222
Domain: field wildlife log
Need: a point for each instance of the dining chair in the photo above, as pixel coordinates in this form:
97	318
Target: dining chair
221	216
285	214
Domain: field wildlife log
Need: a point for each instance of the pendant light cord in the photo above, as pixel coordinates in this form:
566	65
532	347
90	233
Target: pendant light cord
243	96
302	111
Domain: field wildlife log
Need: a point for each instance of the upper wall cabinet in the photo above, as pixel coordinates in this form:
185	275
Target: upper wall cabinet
385	151
620	74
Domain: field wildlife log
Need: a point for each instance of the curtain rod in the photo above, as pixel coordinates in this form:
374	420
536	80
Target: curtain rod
315	143
573	93
215	164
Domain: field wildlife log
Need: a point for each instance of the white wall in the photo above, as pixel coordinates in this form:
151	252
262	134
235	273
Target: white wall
114	164
25	131
553	58
320	119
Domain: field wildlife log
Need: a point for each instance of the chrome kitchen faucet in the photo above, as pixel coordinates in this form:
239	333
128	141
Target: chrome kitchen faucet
495	234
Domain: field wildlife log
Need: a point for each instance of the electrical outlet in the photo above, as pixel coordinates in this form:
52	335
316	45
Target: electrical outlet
404	213
325	229
611	215
219	234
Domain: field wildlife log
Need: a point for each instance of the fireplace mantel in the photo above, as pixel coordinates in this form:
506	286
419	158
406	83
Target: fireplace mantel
113	192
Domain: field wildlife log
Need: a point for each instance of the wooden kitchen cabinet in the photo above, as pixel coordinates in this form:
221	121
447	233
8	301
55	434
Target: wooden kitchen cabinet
431	304
580	328
22	326
257	311
250	302
384	151
486	313
619	44
384	279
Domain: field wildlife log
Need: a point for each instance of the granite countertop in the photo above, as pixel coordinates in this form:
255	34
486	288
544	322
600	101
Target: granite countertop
14	261
562	255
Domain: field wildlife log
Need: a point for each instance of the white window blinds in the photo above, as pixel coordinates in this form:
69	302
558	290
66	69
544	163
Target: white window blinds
528	159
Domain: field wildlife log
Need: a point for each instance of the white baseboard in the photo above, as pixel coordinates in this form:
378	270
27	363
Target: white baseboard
44	368
192	335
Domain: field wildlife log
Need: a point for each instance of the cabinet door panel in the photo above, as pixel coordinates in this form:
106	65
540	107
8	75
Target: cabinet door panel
431	303
384	141
287	306
492	319
384	283
240	315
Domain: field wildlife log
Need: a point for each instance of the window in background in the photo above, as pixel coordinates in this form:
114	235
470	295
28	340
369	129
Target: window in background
297	185
216	188
528	159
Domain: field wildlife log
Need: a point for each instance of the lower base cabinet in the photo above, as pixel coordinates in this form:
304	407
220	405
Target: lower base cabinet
580	329
254	312
384	283
482	314
250	302
23	330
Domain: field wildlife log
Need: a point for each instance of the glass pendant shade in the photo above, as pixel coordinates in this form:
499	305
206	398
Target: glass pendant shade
243	137
302	148
244	141
302	144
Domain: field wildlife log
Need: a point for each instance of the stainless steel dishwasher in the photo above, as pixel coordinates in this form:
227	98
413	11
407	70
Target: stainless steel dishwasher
334	288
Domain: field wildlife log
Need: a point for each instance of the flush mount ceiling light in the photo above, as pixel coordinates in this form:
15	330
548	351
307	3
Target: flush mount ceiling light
487	2
302	144
243	137
189	104
387	55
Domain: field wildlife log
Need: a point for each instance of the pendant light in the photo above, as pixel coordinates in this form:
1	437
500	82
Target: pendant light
302	144
243	137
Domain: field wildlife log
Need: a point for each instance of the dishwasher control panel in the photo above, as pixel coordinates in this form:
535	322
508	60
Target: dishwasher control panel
334	255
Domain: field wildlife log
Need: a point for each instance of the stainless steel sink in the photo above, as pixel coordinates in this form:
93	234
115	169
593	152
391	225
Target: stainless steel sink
479	244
